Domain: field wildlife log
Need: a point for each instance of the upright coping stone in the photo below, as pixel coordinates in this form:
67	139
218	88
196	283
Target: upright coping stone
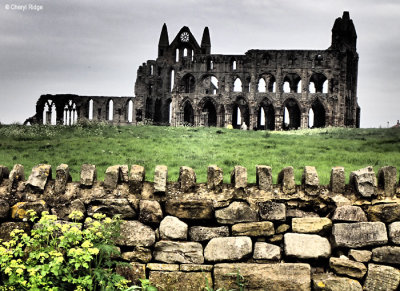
62	178
264	177
39	176
310	180
3	173
387	180
112	177
338	180
239	177
364	181
137	176
160	178
88	175
286	179
187	179
215	178
17	174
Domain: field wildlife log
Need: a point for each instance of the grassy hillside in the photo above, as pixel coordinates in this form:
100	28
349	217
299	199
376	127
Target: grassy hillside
105	145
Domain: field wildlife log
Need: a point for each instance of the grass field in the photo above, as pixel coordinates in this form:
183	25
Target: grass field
149	146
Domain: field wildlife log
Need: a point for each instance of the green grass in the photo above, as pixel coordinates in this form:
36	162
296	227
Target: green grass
149	146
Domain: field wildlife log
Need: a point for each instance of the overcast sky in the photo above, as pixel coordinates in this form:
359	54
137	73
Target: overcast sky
94	47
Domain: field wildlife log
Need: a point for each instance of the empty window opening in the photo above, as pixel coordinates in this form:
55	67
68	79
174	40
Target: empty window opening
110	109
310	118
262	117
149	109
192	55
286	87
130	111
172	79
157	111
185	52
150	89
325	87
210	85
170	112
316	117
188	116
70	115
188	83
237	85
239	117
291	115
240	113
298	88
262	85
318	83
234	65
90	113
151	70
210	65
209	114
177	55
294	81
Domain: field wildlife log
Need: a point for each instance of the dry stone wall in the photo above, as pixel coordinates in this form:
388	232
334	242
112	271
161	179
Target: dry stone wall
283	236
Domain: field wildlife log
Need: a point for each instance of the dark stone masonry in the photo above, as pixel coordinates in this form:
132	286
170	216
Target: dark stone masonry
265	89
279	236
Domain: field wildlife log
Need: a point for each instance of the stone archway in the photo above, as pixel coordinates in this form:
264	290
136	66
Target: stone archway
291	114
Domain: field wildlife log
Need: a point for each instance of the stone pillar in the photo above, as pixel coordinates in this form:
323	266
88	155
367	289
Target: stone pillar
310	180
239	177
160	178
187	179
387	180
286	179
264	177
88	175
62	178
337	182
136	178
215	178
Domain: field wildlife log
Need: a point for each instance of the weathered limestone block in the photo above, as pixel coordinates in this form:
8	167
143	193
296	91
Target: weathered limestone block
344	266
140	254
133	272
364	181
62	178
349	213
282	228
360	234
19	210
262	228
111	177
204	233
384	212
195	268
190	209
266	277
382	278
62	211
394	232
386	254
187	179
163	267
39	176
136	178
188	281
178	252
150	211
330	282
160	178
362	256
228	249
387	180
7	227
272	211
286	180
264	178
134	233
236	212
311	224
17	174
173	228
4	209
338	180
239	177
215	178
88	175
111	207
306	246
310	180
266	251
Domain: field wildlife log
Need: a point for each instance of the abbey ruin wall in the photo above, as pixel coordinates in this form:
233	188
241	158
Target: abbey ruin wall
280	234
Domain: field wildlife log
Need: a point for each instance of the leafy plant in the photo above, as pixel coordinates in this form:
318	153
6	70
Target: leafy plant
145	286
60	256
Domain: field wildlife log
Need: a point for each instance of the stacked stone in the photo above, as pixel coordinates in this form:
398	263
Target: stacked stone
279	237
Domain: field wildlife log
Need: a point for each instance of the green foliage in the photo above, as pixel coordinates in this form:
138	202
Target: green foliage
145	286
61	256
105	145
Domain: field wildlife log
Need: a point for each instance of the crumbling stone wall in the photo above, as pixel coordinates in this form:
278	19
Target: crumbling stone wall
187	85
283	236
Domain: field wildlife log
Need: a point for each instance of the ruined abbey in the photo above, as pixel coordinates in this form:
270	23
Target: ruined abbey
265	89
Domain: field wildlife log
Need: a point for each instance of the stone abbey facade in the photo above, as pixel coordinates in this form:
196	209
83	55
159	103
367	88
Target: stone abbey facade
265	89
